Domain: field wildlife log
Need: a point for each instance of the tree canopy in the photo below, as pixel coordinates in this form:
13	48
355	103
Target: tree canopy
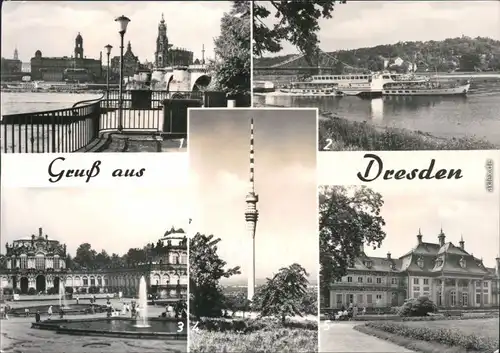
232	48
282	296
296	22
206	269
348	218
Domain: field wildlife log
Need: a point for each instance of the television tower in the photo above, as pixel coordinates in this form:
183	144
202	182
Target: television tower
251	216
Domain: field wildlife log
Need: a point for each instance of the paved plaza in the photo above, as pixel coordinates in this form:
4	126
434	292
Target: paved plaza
19	337
341	337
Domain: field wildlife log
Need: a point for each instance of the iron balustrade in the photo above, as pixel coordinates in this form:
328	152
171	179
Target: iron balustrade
74	129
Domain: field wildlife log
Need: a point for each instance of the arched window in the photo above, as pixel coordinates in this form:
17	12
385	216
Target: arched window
40	262
23	261
453	298
465	299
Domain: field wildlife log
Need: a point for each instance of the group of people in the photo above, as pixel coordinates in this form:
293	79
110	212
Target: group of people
350	312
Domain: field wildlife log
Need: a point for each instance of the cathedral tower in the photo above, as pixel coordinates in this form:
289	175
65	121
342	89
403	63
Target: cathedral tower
251	217
16	54
79	46
161	54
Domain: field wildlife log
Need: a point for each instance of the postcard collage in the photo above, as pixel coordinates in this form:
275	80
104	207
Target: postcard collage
250	176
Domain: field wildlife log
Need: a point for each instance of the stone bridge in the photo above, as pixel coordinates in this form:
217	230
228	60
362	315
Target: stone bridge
182	78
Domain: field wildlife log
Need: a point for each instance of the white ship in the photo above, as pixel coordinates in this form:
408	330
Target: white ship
364	85
425	89
263	87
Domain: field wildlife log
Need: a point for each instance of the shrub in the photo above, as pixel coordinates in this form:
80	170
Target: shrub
31	291
17	291
252	325
52	290
7	291
68	290
417	307
450	337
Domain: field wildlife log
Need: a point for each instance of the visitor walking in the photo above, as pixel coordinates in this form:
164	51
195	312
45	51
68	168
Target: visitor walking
37	316
49	312
77	299
355	311
364	310
26	312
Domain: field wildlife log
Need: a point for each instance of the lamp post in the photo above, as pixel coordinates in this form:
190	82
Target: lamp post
123	22
108	53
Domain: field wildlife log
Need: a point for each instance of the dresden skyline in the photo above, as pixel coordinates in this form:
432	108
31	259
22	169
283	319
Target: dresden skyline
24	26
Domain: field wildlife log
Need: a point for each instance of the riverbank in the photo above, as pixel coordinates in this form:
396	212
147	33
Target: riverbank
345	135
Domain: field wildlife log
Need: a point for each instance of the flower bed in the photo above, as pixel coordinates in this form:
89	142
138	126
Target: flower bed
471	336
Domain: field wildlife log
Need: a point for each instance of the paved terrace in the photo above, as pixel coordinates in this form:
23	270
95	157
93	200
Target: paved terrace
19	337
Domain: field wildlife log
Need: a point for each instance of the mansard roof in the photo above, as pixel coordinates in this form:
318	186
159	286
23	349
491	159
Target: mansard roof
427	258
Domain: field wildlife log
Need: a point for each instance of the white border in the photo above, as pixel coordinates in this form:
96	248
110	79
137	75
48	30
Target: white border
251	53
316	190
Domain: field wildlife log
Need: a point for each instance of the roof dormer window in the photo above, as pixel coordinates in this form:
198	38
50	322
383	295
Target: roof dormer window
420	262
462	262
368	263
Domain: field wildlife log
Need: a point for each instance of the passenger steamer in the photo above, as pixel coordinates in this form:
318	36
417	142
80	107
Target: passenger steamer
425	89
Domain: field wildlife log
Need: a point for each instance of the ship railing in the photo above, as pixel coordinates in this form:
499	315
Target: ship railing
75	129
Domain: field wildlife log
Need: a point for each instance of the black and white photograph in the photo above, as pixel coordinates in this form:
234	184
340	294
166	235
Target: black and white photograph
118	76
94	270
253	250
409	269
385	75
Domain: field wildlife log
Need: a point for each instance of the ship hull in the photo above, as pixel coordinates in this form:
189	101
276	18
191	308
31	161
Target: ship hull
451	91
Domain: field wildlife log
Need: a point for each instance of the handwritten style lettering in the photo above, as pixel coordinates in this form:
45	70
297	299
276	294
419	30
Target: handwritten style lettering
375	169
57	174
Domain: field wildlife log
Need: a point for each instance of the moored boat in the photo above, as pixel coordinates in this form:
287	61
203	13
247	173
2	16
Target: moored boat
425	89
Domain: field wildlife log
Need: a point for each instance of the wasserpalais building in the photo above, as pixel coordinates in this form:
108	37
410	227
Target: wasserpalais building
39	265
448	274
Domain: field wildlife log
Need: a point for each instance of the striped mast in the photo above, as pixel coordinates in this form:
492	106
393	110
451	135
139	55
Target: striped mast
251	217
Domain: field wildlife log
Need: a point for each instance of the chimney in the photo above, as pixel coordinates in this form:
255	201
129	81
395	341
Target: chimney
419	236
388	256
441	238
462	243
40	232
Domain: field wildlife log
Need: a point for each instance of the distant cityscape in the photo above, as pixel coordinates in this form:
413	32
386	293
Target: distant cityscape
78	68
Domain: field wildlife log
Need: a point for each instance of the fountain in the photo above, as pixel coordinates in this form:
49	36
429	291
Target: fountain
62	297
143	304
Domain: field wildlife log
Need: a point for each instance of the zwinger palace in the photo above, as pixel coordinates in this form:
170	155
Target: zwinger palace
37	264
447	274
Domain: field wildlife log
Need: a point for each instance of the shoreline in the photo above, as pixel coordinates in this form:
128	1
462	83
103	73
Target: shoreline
341	134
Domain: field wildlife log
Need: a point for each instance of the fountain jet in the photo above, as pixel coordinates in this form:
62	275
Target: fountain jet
62	297
142	321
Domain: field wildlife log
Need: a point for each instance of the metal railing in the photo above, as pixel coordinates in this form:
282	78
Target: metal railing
73	129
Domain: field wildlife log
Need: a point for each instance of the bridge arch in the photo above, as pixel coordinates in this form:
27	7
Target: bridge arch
201	82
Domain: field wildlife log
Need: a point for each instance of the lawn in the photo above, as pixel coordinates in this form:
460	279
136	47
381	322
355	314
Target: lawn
278	340
440	336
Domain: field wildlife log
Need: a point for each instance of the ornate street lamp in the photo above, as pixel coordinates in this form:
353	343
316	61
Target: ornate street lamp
108	53
123	23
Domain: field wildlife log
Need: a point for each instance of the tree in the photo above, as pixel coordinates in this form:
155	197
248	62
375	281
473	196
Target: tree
232	48
283	295
297	24
469	62
206	269
348	218
85	256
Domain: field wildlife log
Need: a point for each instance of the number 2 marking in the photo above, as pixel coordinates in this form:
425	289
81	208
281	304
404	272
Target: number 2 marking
180	326
329	143
182	143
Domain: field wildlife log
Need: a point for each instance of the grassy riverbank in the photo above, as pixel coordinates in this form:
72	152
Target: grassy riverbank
337	134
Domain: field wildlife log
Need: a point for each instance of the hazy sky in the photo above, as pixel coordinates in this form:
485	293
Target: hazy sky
110	219
52	26
359	24
285	166
460	212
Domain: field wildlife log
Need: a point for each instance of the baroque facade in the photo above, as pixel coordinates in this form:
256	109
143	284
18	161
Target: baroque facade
38	264
130	63
53	68
166	55
447	274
